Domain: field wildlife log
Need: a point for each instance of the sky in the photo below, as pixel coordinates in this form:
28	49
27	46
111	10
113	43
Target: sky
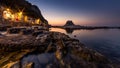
81	12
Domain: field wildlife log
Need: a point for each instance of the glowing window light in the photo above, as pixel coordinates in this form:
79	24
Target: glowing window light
20	13
38	21
7	14
33	23
26	19
13	17
19	16
8	9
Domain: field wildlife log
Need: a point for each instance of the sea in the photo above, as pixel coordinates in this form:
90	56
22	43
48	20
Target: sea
105	41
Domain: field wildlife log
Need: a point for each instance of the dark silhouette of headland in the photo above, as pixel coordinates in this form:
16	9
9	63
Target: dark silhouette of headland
71	26
69	23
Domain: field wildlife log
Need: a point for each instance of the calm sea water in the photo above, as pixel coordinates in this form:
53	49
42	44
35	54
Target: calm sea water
105	41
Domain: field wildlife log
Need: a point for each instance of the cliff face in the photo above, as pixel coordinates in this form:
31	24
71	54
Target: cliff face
23	5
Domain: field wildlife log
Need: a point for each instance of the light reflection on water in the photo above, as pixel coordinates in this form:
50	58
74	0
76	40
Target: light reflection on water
105	41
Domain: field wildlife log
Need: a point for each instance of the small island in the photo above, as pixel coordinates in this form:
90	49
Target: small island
71	26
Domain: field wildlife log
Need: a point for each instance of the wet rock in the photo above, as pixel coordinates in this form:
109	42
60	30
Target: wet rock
49	66
41	37
26	32
16	65
68	52
10	65
75	36
37	33
15	30
4	28
35	28
1	35
29	65
11	59
50	47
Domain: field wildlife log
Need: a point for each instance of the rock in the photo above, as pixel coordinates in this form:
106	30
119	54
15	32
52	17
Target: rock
4	28
37	33
69	23
29	65
75	36
12	59
16	65
67	52
10	65
59	55
26	32
61	50
49	66
1	35
41	38
15	30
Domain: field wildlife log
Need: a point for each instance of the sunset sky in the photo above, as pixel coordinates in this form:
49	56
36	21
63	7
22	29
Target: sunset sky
81	12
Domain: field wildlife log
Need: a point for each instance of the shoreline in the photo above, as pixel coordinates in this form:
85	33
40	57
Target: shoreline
52	42
84	27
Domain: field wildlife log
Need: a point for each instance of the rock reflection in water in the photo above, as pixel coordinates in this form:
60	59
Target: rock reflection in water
69	31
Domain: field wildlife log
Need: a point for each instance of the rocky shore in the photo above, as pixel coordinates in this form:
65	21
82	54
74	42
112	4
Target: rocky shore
65	51
34	48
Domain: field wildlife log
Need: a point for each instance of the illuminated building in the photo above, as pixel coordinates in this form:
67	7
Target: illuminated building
14	16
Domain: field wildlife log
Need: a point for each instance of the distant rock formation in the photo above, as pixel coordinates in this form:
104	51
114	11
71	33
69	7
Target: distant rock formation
69	23
23	5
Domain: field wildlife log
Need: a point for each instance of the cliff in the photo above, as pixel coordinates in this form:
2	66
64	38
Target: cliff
23	5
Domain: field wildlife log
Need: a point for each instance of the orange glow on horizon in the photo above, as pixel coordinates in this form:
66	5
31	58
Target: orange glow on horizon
60	22
58	19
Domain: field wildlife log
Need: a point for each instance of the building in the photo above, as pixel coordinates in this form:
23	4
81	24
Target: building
13	16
